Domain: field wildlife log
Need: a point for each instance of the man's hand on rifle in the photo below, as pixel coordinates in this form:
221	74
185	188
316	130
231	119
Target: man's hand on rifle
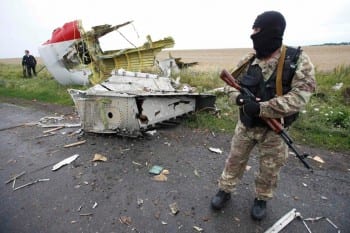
251	108
242	99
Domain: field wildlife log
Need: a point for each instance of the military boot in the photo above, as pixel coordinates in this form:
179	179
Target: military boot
219	200
259	209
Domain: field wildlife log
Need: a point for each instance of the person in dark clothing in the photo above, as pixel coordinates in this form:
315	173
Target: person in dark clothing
28	64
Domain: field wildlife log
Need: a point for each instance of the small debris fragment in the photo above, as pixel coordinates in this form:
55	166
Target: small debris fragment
53	122
136	163
305	185
165	172
167	143
125	220
174	209
52	130
75	132
160	177
79	208
86	214
31	183
15	177
65	162
324	198
139	202
215	150
335	226
156	170
46	119
290	216
196	173
99	157
320	218
13	183
95	205
126	149
337	86
60	125
247	168
164	223
198	229
11	161
151	132
283	221
318	159
74	144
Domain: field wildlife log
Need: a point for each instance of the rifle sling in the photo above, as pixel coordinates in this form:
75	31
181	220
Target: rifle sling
280	65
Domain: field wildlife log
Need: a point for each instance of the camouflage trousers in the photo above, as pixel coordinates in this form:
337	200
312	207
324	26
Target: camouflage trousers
273	153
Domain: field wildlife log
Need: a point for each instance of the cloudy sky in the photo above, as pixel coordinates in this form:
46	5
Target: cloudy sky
194	24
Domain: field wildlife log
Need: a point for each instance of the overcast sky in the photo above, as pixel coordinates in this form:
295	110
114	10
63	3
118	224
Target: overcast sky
194	24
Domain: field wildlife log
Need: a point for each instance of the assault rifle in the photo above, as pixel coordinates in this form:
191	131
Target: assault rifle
274	124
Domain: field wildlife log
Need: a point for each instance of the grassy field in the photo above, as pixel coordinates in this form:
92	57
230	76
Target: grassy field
325	122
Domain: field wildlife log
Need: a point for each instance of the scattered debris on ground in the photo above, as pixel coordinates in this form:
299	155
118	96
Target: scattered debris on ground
290	216
99	157
65	162
215	150
31	183
174	209
74	144
156	170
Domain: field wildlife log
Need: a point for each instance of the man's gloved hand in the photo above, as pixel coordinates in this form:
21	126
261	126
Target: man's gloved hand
242	99
251	108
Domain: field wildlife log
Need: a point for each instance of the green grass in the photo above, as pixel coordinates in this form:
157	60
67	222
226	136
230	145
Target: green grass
42	88
326	121
324	124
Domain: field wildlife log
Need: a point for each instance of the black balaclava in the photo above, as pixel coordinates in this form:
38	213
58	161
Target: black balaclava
270	36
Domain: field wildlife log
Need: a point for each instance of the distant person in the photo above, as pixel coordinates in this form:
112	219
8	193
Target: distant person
28	64
281	100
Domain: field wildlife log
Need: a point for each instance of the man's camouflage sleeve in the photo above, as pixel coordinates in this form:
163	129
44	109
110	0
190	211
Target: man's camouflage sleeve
303	85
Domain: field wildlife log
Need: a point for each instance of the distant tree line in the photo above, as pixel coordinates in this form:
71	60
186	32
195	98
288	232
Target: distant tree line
341	43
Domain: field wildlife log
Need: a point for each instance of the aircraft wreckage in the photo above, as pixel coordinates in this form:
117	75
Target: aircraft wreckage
123	99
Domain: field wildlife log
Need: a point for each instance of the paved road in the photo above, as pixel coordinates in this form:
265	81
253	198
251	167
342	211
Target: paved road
119	195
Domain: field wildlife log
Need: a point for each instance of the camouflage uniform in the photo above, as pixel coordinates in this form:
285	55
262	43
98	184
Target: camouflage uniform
272	149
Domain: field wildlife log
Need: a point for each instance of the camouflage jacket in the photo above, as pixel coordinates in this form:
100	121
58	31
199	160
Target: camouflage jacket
303	85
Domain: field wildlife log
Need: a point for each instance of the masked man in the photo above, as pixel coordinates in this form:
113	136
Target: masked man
281	99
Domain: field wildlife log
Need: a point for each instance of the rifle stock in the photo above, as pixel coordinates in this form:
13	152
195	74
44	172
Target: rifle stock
274	124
